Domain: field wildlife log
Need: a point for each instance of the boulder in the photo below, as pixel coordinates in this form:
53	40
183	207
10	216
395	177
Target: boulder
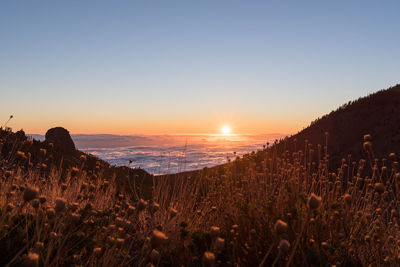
61	140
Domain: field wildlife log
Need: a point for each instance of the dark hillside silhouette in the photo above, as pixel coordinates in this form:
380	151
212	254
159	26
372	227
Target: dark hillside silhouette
377	114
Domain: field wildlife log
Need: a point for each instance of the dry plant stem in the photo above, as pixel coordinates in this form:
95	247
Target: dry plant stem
17	255
268	252
305	223
276	259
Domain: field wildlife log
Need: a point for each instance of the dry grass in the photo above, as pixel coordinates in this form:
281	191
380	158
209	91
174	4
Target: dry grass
270	208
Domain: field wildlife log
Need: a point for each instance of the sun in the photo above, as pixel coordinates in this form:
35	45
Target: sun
226	129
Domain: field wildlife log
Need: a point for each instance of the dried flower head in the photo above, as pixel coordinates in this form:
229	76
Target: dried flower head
43	152
172	212
35	203
61	204
367	138
74	206
42	199
219	243
30	193
21	155
155	207
347	199
10	207
208	259
367	146
141	205
97	251
314	201
131	210
64	186
74	171
51	213
31	260
39	246
379	187
284	246
75	217
280	227
158	238
215	230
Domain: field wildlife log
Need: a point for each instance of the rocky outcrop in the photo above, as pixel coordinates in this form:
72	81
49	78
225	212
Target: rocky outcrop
61	139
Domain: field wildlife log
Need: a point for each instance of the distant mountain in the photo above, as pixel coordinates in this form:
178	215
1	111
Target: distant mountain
377	114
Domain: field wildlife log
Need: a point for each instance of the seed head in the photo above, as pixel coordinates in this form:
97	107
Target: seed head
10	207
314	201
280	227
42	199
43	152
158	238
92	187
31	260
21	155
64	186
379	187
84	186
61	204
74	171
39	246
367	138
155	256
119	221
82	157
97	251
141	205
155	207
35	203
74	206
219	243
50	213
367	145
119	242
208	259
28	142
347	199
75	217
215	231
53	235
172	212
131	210
30	193
284	245
7	174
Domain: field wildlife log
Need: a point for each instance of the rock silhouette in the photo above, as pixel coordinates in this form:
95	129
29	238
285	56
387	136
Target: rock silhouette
61	140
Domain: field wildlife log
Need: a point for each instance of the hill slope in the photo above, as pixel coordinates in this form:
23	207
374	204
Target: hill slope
377	114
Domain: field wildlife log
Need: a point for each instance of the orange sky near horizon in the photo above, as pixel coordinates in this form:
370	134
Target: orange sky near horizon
130	125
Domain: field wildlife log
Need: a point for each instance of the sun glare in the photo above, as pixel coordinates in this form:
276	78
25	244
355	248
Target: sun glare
226	129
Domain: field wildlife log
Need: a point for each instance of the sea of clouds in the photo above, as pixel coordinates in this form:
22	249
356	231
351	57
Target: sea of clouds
162	154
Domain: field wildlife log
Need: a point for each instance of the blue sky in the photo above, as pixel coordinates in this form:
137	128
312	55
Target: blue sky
135	67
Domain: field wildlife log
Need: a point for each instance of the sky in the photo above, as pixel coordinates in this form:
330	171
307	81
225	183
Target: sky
165	67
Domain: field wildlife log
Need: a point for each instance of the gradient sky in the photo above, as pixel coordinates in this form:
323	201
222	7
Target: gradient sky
155	67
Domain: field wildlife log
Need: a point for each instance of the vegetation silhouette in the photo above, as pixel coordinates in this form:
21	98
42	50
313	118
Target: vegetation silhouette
325	196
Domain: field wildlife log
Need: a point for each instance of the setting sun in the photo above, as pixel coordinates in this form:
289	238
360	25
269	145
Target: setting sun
226	129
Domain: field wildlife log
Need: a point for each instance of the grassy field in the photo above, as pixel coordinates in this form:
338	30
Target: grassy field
272	208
